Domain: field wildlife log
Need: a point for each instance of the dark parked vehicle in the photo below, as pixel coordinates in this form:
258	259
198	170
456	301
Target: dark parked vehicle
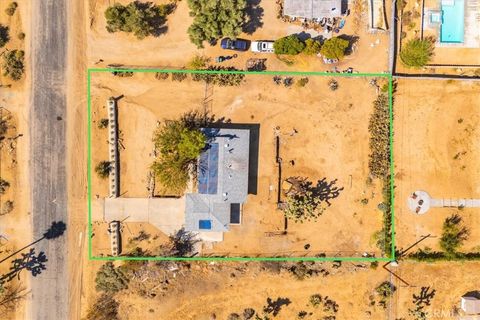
238	44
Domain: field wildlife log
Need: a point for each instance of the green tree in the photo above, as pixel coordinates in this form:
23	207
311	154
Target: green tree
179	146
110	279
213	19
334	48
4	35
453	234
290	45
103	169
13	64
417	53
312	47
141	19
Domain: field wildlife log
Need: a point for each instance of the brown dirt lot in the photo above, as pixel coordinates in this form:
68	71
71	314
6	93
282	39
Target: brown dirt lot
330	125
174	48
436	150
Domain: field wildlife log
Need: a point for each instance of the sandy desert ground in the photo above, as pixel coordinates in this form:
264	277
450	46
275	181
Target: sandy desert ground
323	139
436	150
14	155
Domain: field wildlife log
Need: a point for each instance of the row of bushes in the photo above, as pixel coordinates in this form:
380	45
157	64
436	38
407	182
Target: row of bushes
333	48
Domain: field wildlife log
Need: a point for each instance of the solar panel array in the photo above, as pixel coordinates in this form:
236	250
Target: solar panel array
208	170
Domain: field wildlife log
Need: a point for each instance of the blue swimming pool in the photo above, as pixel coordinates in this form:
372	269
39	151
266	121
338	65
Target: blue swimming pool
452	28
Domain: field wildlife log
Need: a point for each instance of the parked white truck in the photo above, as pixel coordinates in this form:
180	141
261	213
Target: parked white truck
262	46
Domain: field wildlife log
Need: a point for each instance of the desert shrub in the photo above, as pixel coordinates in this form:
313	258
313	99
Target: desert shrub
104	308
213	20
385	290
7	207
103	168
110	279
302	314
333	84
302	82
198	62
21	35
13	64
334	48
179	76
379	128
123	74
315	300
181	244
401	4
417	53
4	35
312	47
103	123
233	316
220	79
140	18
288	45
303	207
453	234
11	8
3	127
161	75
179	147
4	185
248	313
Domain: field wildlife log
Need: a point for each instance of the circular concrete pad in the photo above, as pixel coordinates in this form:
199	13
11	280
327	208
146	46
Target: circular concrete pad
419	202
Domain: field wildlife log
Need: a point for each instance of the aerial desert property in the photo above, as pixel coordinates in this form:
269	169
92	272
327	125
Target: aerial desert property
239	159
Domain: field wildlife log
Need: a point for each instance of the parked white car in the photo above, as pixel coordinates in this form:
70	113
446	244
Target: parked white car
262	46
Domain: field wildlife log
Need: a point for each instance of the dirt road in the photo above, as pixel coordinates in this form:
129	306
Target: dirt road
47	164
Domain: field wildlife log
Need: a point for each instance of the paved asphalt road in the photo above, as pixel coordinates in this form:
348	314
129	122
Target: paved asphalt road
47	154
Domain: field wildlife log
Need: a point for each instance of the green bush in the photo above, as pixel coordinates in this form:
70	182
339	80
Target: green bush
417	53
12	7
312	47
303	207
141	19
110	279
179	76
379	128
4	35
198	62
13	64
220	79
103	169
290	45
334	48
453	234
213	20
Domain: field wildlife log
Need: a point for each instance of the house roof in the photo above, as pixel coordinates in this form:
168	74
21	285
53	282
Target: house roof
313	9
471	305
223	179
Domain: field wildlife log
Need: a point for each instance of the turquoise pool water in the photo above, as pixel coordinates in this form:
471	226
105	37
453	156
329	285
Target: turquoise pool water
452	28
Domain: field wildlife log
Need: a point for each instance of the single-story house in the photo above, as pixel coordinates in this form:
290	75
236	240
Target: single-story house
222	182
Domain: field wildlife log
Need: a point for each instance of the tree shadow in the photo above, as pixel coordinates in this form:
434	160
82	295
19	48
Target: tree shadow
274	306
352	40
56	230
326	191
254	17
30	262
182	244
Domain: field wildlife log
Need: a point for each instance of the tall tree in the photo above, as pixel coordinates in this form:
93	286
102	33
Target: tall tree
214	19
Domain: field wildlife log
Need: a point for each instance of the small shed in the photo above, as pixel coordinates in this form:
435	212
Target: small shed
470	305
313	9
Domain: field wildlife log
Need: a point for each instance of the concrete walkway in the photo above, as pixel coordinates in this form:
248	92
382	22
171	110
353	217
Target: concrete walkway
420	202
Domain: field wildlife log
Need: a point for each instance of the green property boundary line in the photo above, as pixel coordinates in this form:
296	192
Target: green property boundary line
289	73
